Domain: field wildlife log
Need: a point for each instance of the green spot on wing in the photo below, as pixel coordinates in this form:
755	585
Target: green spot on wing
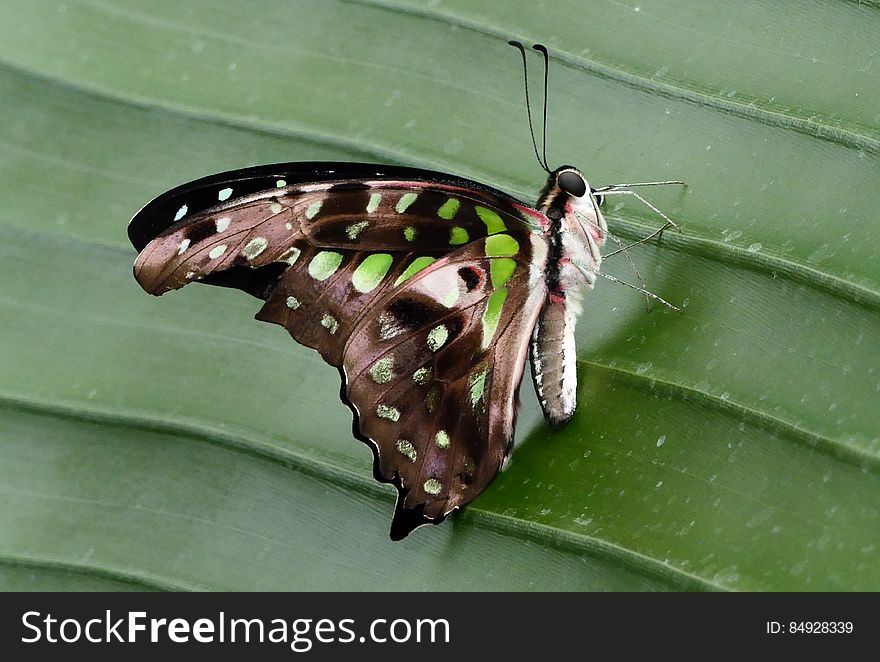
477	386
371	271
449	209
501	245
501	269
405	201
373	204
409	233
414	267
458	235
492	314
324	264
313	209
491	219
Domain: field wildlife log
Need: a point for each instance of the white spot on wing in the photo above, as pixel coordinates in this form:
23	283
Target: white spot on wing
180	213
291	255
442	439
353	230
405	201
432	486
382	371
254	247
313	209
330	323
407	449
373	204
222	223
182	246
437	337
388	327
388	413
224	194
217	251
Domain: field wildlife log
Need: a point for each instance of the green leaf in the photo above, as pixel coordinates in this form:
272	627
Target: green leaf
176	443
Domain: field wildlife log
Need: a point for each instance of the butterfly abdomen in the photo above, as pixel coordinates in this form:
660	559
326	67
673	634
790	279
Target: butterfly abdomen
554	360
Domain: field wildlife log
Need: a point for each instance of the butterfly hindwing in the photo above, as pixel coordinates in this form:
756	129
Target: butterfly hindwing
424	292
434	374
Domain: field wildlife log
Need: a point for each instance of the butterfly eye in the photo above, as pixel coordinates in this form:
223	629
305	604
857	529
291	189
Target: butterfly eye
572	183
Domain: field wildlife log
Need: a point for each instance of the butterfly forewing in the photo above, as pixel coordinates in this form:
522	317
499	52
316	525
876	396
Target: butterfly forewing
251	233
423	290
403	216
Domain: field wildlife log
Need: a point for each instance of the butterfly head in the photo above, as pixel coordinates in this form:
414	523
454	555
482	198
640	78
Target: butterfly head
567	193
577	225
570	180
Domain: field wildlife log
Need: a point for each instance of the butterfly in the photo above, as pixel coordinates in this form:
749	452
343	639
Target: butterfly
428	291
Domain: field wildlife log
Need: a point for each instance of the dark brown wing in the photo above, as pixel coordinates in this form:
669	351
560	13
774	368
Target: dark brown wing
434	380
423	294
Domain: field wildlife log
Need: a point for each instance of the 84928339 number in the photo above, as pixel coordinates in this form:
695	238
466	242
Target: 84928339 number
810	627
820	627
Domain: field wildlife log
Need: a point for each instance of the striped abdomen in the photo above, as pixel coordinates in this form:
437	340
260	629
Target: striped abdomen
554	360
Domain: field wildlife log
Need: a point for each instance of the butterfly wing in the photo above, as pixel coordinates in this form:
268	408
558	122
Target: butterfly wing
422	289
434	375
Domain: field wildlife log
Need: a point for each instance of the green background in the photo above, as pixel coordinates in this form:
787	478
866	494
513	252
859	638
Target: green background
176	443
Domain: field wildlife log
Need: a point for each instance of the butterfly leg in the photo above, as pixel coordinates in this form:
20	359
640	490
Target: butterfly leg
632	265
669	223
639	289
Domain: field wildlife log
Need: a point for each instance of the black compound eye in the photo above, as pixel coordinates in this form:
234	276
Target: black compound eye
572	183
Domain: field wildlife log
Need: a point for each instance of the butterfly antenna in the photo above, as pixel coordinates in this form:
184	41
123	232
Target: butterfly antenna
667	182
543	50
522	52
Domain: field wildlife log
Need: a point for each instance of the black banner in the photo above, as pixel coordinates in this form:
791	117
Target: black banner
431	625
